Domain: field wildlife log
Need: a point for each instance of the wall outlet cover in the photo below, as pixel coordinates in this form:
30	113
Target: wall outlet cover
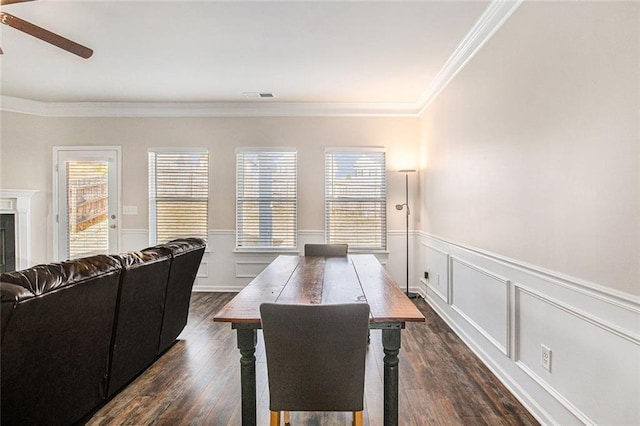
545	358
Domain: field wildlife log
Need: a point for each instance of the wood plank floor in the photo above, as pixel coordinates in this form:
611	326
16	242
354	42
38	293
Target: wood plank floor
197	381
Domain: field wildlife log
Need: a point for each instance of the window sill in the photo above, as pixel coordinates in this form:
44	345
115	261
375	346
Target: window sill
294	251
356	251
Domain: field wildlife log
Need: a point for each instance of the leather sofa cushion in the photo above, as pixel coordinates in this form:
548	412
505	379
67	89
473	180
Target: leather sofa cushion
43	279
141	300
186	256
55	345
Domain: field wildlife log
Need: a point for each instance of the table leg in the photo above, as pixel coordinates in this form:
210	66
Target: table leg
247	339
391	345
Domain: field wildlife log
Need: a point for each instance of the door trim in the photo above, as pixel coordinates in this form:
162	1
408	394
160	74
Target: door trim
56	189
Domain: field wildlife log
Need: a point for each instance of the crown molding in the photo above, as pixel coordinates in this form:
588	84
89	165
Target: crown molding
25	106
496	13
205	109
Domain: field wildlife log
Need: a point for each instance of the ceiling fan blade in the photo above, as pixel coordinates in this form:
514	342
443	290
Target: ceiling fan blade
45	35
6	2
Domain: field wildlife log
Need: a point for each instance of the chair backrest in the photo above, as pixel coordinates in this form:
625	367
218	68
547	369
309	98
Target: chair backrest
326	250
315	355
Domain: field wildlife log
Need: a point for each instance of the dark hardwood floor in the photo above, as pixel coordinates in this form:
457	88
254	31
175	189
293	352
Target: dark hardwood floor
197	381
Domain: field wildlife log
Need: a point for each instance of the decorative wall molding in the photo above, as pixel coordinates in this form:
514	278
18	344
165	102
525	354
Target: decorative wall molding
471	313
225	269
557	395
591	319
592	290
207	109
24	106
435	287
250	268
538	411
580	315
203	270
592	332
490	21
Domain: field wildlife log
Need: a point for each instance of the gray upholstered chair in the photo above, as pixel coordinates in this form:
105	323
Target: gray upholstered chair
315	357
326	250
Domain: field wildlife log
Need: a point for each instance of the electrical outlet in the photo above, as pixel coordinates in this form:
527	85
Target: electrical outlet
545	358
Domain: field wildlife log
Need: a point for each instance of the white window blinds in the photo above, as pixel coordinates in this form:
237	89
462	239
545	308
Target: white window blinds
356	198
178	194
266	198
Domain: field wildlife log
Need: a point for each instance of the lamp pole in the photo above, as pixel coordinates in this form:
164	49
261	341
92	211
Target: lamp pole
410	295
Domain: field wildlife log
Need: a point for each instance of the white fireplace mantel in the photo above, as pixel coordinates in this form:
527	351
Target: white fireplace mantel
18	202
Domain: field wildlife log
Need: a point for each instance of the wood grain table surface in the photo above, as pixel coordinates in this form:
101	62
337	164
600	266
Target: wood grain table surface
322	280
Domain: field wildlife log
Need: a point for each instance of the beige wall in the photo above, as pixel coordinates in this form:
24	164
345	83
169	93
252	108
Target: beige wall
27	143
532	151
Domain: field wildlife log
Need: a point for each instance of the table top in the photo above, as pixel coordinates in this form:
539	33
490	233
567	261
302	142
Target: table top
323	280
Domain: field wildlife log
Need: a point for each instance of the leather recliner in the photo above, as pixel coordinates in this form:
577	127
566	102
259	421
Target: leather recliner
56	336
74	333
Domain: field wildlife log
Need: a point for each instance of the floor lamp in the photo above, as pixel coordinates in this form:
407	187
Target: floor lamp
408	212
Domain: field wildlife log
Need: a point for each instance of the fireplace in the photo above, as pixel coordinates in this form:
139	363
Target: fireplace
7	242
15	241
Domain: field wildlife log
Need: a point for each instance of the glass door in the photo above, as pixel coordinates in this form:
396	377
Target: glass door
87	218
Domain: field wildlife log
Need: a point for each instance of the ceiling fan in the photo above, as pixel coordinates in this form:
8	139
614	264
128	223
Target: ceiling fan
41	33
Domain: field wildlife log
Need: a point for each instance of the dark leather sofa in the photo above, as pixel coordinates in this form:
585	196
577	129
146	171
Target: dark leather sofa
75	333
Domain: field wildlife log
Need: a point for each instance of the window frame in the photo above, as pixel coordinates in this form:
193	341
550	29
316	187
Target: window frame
383	231
153	224
239	200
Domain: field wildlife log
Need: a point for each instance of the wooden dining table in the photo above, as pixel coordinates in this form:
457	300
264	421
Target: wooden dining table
322	280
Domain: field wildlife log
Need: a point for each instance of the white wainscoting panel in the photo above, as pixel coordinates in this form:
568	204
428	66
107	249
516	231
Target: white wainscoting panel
223	268
437	265
593	333
482	299
203	270
589	375
250	266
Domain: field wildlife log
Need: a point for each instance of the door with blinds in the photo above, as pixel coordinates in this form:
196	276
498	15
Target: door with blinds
86	201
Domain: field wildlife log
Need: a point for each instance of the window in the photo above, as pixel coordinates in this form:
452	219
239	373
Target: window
266	198
356	198
178	194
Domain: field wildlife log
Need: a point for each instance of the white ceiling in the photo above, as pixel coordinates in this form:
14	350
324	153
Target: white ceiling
326	52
